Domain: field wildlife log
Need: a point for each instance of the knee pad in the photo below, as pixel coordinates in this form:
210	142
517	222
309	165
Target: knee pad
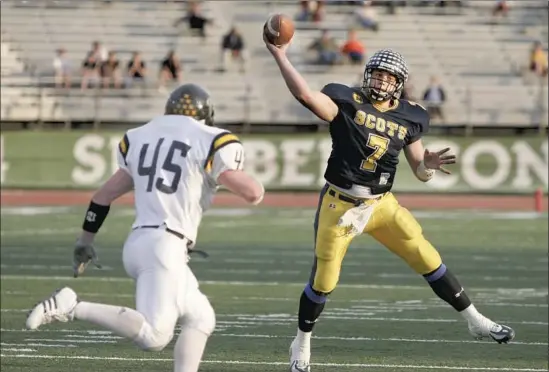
151	339
202	317
406	226
326	275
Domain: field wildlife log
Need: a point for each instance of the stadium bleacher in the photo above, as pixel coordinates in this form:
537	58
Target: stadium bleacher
478	62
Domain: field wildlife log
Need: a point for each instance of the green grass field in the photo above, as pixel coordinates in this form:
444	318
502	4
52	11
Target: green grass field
382	317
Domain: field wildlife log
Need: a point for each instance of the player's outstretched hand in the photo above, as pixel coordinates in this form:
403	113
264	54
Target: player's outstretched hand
437	160
275	49
84	254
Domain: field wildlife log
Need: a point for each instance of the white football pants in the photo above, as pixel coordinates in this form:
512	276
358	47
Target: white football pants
166	289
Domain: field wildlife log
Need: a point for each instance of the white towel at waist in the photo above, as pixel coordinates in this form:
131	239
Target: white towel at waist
356	218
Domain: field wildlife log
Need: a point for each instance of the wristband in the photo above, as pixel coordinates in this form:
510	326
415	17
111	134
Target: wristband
95	216
424	173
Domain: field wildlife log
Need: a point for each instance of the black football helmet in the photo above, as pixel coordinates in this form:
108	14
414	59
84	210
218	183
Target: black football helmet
391	62
191	100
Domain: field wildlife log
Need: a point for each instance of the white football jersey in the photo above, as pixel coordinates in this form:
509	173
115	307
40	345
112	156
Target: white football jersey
175	162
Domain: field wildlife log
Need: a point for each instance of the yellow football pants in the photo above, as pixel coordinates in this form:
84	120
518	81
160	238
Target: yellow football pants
390	224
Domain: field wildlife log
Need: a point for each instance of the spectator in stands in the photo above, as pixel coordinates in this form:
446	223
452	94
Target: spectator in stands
445	3
304	14
311	11
195	20
392	5
326	48
434	97
353	48
538	60
110	71
136	69
62	68
90	70
318	11
366	16
232	46
501	8
170	69
100	52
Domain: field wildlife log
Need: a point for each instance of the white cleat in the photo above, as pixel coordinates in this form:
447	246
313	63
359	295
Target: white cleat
59	306
484	328
299	357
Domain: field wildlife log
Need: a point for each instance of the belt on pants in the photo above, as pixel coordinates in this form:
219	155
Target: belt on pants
177	234
173	232
349	199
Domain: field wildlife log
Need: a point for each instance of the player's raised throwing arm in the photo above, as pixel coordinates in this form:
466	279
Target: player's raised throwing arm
319	103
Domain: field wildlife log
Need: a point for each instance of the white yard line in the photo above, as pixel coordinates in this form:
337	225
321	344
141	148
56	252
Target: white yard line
273	319
269	283
366	305
340	316
45	267
59	330
369	261
36	345
76	341
82	336
374	303
238	362
264	271
375	339
14	349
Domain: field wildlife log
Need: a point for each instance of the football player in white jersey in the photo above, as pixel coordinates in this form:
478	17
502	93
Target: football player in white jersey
174	164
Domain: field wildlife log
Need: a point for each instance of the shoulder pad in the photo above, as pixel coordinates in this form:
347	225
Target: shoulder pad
417	114
221	140
338	92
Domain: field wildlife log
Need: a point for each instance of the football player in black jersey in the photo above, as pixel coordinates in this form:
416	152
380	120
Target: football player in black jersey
369	127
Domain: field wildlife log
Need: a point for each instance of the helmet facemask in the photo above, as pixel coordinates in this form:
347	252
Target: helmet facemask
385	74
381	87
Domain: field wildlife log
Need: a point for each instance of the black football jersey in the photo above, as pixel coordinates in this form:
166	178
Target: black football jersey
367	141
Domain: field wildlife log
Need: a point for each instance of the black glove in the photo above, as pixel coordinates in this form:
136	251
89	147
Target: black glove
83	254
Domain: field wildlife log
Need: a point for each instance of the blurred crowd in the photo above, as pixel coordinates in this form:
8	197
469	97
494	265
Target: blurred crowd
103	68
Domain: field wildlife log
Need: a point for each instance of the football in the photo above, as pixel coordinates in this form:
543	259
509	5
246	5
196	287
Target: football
279	29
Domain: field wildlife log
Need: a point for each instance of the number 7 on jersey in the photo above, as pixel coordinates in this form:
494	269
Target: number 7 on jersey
380	145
